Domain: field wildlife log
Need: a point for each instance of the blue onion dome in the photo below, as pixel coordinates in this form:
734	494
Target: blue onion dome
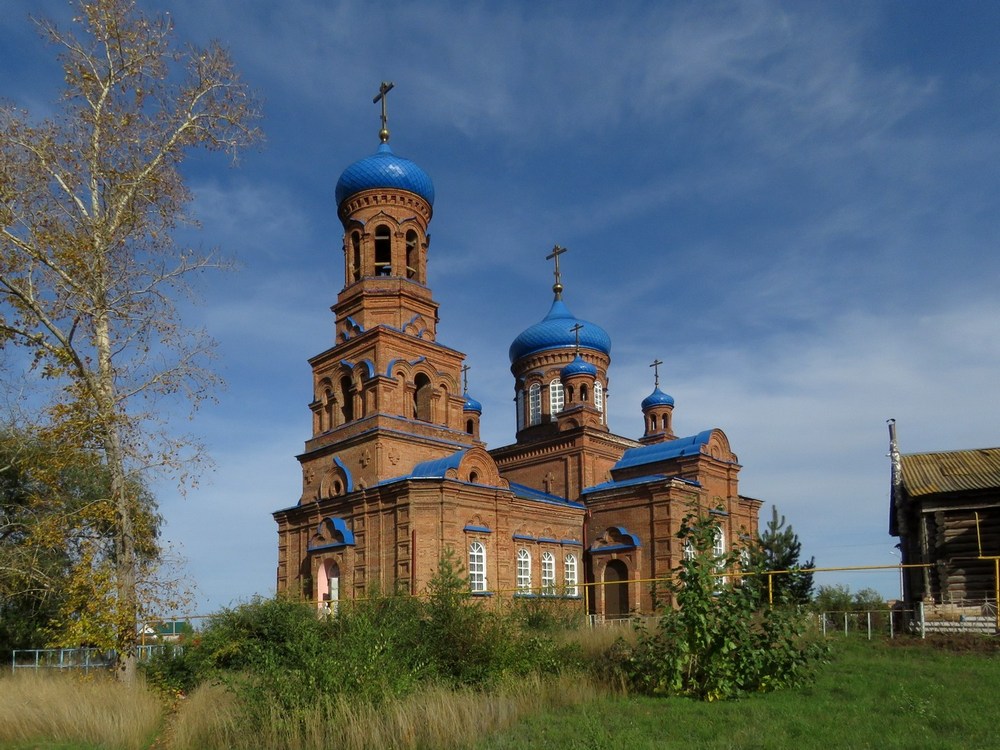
657	398
472	405
384	169
554	331
578	367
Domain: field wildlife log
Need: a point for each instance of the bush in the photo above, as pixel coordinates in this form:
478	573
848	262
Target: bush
718	644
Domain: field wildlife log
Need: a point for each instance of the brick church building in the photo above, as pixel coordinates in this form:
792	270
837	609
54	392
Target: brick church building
394	474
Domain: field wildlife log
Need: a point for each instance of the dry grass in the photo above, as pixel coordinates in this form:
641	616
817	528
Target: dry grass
93	710
436	717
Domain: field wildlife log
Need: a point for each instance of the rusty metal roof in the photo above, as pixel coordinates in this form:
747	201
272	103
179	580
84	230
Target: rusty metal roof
951	471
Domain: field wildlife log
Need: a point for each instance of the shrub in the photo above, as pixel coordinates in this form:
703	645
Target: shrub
717	644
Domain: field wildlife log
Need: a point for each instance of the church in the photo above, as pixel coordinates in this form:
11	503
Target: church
394	475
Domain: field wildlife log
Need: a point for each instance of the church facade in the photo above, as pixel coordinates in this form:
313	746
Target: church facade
394	475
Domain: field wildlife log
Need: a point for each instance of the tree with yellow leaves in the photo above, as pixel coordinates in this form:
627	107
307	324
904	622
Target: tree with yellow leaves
89	266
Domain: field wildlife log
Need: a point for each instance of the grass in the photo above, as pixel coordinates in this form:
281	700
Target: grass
68	711
903	694
871	695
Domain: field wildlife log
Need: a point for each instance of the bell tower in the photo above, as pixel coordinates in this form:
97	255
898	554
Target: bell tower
386	395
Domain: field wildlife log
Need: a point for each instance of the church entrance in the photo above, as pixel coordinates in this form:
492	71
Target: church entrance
328	586
616	590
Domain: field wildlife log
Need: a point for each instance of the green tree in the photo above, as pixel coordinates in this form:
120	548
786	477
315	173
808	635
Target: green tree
89	268
778	549
56	543
717	643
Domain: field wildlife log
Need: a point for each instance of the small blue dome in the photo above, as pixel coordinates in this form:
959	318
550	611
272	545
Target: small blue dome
384	169
578	367
555	332
657	398
472	405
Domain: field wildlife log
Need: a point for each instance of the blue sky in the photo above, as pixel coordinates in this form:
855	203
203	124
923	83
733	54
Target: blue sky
794	205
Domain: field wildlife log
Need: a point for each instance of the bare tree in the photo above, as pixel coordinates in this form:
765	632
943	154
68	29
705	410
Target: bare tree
90	269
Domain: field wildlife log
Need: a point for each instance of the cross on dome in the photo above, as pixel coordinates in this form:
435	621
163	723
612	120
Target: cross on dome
384	89
554	255
656	372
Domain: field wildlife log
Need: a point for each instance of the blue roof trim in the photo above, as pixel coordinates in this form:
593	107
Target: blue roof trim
571	542
648	479
717	512
347	473
343	536
630	541
547	540
436	468
477	529
530	493
524	537
610	548
366	362
648	454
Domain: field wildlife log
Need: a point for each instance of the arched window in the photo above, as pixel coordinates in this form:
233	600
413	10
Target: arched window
326	420
328	587
688	550
519	407
557	398
383	251
548	574
477	567
599	398
412	257
346	399
523	570
422	398
583	392
470	427
570	578
535	404
355	256
719	550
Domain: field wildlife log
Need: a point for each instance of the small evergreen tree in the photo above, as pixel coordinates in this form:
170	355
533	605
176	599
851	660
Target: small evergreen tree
778	549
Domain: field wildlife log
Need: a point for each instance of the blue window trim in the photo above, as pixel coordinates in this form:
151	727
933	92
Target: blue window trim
547	540
478	529
481	593
525	537
570	543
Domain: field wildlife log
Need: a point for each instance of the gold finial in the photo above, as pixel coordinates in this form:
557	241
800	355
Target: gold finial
385	88
554	255
656	372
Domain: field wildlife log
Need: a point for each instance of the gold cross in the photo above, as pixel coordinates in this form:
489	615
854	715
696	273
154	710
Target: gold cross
384	89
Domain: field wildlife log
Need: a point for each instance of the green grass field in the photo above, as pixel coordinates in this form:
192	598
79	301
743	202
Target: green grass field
904	694
870	695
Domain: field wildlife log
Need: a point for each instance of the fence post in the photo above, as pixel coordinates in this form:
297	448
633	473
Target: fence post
920	610
845	624
892	625
869	625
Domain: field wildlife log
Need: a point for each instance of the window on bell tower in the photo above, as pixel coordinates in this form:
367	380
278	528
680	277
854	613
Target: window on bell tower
412	257
383	251
422	398
355	256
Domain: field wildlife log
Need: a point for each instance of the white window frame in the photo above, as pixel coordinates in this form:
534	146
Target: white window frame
535	404
477	567
557	397
599	398
719	552
523	571
548	574
570	578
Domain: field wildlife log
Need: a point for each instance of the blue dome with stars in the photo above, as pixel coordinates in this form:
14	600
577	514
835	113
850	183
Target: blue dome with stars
578	367
555	331
657	398
384	169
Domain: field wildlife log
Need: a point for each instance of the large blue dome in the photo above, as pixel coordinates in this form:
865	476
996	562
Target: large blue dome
555	332
384	169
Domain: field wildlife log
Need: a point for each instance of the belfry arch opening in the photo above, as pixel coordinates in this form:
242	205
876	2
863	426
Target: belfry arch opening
412	256
422	398
355	256
346	399
383	251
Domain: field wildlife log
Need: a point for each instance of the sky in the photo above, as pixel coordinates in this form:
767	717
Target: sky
794	205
